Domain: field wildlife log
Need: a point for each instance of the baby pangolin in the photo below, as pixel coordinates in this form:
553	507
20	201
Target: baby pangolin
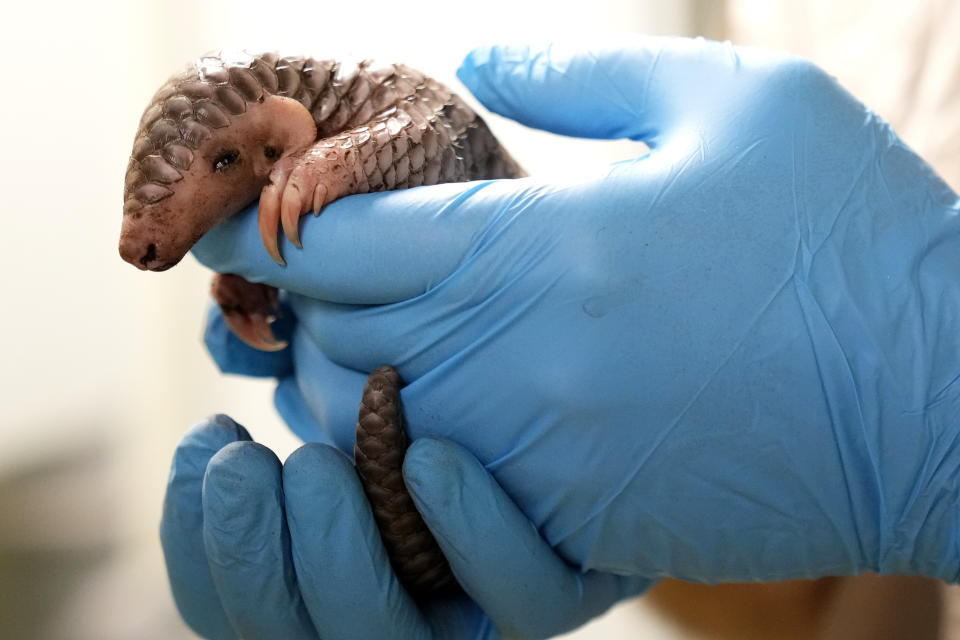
301	133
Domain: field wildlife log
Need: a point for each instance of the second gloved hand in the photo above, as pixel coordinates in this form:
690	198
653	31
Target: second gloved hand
732	358
256	549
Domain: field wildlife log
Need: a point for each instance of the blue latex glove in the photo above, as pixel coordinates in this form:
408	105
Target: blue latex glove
733	358
259	550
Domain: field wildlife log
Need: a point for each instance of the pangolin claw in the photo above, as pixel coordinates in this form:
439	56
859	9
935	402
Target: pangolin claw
268	221
290	213
319	198
254	330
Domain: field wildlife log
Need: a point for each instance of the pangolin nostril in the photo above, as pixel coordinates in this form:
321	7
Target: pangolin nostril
150	255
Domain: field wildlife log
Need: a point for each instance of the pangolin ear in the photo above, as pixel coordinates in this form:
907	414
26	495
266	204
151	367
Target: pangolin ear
289	128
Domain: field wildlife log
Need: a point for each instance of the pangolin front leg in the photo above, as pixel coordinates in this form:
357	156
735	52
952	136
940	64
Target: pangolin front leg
300	184
417	142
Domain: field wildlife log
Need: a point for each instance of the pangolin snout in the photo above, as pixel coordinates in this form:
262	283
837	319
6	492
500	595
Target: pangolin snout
142	254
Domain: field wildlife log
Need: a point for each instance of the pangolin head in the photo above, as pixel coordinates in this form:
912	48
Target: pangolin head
204	149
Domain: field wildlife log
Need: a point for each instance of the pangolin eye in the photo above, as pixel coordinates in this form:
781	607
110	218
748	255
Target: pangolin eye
270	152
224	160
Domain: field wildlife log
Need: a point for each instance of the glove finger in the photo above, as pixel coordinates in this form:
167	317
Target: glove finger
232	355
633	90
371	248
181	528
492	548
347	583
248	544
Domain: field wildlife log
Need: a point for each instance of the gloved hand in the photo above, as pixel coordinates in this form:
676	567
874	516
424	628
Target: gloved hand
259	550
732	358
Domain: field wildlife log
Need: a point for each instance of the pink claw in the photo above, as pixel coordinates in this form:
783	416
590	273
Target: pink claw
254	330
290	213
319	198
268	220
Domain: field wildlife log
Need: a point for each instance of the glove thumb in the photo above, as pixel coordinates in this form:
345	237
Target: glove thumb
636	90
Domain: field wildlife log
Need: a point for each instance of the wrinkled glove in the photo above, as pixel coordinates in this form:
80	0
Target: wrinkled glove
259	550
733	358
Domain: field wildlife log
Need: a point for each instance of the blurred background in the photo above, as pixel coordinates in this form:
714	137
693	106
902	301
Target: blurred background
102	367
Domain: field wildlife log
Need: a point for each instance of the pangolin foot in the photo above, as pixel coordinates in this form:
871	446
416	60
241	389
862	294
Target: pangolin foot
248	309
298	184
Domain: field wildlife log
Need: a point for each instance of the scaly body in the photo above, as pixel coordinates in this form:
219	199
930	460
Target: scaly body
300	133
